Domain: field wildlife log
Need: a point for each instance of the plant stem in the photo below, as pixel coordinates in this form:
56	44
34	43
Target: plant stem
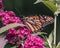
55	21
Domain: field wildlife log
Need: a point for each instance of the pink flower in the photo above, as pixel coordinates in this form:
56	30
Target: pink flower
10	13
2	14
1	5
23	32
0	0
11	35
19	34
34	42
9	17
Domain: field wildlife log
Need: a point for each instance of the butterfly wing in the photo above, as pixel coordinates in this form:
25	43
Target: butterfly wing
35	23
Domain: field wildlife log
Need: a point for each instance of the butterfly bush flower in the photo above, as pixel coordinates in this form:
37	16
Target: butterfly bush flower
0	0
1	5
9	17
23	32
14	34
7	20
11	35
34	42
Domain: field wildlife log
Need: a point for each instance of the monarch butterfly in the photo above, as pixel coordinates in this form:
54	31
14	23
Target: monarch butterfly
35	23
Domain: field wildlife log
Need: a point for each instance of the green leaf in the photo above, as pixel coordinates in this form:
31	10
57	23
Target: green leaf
38	33
13	47
8	4
50	5
14	5
58	45
5	28
50	39
27	7
18	6
9	45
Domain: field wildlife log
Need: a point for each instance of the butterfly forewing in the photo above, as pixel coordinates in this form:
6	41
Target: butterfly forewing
35	23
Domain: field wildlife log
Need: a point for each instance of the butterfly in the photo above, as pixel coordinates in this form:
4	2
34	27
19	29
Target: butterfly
35	23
